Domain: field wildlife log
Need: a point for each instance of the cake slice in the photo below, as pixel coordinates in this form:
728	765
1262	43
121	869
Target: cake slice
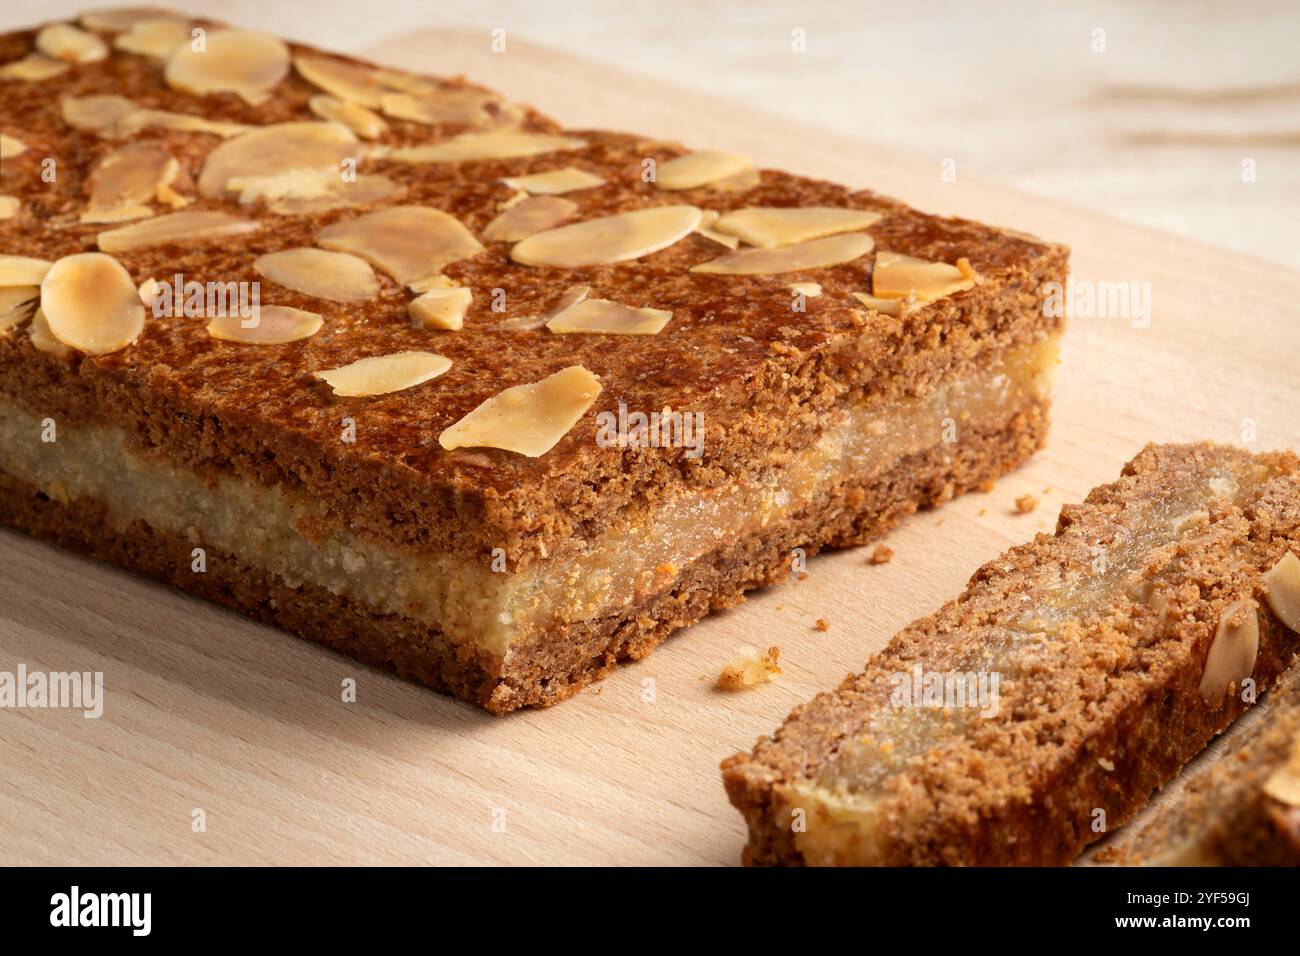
513	402
1074	676
1244	810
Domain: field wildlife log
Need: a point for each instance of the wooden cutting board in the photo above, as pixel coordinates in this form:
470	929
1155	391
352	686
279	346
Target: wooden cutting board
207	711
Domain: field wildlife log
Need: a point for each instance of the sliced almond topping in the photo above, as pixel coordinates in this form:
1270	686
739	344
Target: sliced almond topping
497	144
887	306
1231	658
125	181
158	37
272	325
336	276
149	291
17	303
799	257
527	323
897	276
275	149
1282	590
410	243
528	419
136	120
23	270
463	106
9	207
365	123
531	215
602	316
741	182
117	19
441	308
708	220
438	281
99	113
617	238
556	182
699	169
247	64
381	374
302	191
1283	784
63	41
33	68
810	290
187	228
769	226
43	339
350	82
91	304
10	147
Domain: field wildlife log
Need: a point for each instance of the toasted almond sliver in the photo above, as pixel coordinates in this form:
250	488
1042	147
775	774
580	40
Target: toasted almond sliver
186	228
91	304
303	191
9	206
117	19
887	306
528	419
17	303
350	82
410	243
604	317
273	325
63	41
616	238
337	276
362	121
532	215
742	182
556	182
769	226
897	276
1232	653
497	144
708	220
43	339
126	180
247	64
464	106
810	290
381	374
33	68
10	147
441	308
99	112
279	148
137	120
527	323
23	270
157	38
1282	590
799	257
699	169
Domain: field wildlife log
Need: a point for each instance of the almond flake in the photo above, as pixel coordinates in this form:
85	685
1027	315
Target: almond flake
527	419
1231	657
91	304
350	82
694	170
9	207
279	148
304	191
137	120
531	215
617	238
441	309
247	64
157	38
17	303
466	107
336	276
125	181
117	19
410	243
497	144
43	339
707	221
742	182
886	306
897	276
22	270
186	228
272	325
33	68
604	317
365	123
556	182
98	113
527	323
63	41
381	374
769	226
10	147
799	257
1282	590
809	290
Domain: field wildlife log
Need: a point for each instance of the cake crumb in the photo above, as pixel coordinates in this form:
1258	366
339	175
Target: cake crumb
982	512
750	668
988	486
667	568
803	575
882	554
1025	504
822	624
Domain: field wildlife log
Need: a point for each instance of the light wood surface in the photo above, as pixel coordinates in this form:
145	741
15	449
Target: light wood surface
207	710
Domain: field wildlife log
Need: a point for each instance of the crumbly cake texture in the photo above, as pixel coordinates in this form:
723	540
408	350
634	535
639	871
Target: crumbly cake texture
1108	639
768	381
1229	815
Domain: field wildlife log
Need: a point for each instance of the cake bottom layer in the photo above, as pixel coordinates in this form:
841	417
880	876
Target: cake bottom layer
550	666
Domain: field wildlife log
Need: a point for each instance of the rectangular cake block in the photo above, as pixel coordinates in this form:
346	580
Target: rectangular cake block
821	361
1074	676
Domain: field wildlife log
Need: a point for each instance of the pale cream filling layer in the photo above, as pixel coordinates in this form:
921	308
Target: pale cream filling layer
465	599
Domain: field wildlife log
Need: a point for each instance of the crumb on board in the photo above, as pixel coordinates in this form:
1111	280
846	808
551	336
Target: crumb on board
1025	504
750	668
822	624
982	512
882	554
988	486
802	576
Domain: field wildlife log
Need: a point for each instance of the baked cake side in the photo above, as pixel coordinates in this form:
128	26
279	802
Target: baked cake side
1075	676
488	509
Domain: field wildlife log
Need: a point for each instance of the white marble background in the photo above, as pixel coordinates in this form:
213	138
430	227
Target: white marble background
1154	129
